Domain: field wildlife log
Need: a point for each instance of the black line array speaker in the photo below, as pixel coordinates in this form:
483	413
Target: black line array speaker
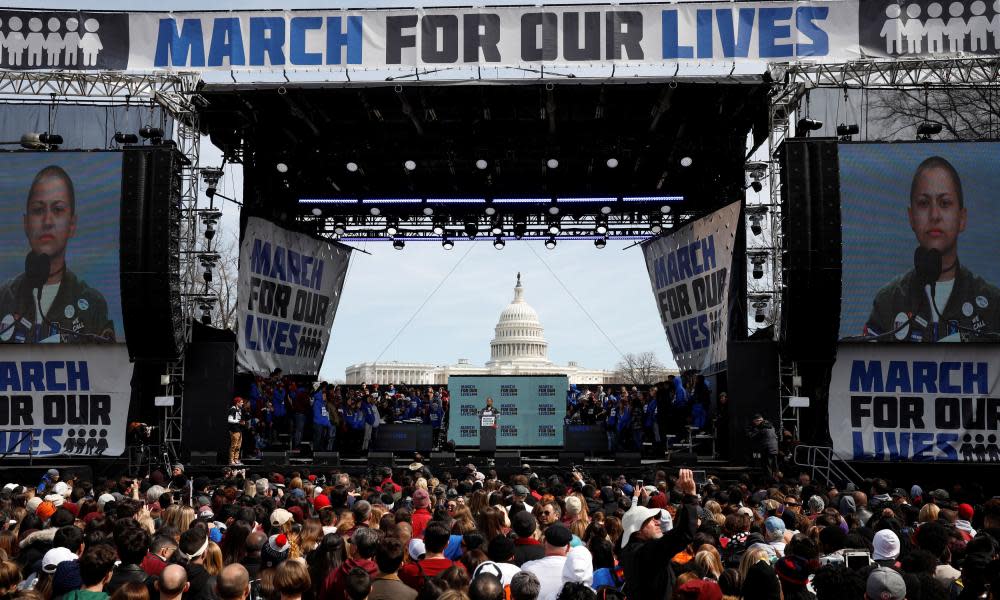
150	252
208	392
810	178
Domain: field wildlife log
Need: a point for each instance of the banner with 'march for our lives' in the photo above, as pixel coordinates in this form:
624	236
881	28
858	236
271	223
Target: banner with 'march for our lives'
689	271
289	290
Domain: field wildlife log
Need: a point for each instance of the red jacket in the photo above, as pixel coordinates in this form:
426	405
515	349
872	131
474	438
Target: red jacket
419	519
413	575
334	587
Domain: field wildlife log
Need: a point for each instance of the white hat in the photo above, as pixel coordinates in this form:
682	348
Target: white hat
10	487
55	499
573	505
480	476
416	548
104	499
62	488
55	556
279	517
633	519
579	566
885	546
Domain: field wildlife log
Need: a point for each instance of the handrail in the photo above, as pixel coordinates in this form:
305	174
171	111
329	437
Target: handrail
824	462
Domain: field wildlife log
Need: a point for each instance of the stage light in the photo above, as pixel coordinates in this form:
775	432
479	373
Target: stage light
375	211
207	275
606	210
209	230
553	209
665	209
759	304
756	186
352	167
471	228
317	212
612	162
428	211
756	216
600	243
687	161
126	138
490	210
392	226
554	228
164	379
655	227
845	131
281	167
438	227
552	163
758	259
602	226
339	226
927	129
398	244
41	141
520	228
804	126
498	243
550	243
148	132
447	244
497	227
206	316
409	165
481	164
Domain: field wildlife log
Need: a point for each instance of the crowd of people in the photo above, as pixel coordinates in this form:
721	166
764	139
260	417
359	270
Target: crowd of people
467	534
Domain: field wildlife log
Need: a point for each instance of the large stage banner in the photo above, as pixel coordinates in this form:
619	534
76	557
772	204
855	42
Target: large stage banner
919	241
703	35
64	400
59	237
532	409
915	403
689	271
289	290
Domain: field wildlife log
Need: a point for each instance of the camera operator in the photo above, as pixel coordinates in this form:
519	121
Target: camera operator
763	444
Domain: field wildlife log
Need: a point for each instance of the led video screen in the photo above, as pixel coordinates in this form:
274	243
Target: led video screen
59	246
919	242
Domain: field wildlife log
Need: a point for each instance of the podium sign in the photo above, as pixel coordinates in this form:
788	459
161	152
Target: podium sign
488	421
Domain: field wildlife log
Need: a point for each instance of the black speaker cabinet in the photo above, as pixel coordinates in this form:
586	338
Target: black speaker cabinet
204	459
328	459
274	458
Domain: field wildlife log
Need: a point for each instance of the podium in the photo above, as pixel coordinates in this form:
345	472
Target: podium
487	434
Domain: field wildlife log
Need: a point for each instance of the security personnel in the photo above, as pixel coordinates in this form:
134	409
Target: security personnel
65	305
966	304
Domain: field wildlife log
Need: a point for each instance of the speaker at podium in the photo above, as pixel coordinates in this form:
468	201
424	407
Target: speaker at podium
488	432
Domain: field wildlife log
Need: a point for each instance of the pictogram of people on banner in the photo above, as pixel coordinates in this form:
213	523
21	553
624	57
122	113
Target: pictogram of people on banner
52	43
965	28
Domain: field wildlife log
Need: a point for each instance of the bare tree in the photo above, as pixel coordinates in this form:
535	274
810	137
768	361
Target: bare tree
225	283
641	368
965	113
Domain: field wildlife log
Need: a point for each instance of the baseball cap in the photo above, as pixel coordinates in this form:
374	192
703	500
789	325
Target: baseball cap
279	517
885	584
523	523
885	546
940	495
52	472
520	490
416	548
965	511
558	535
55	556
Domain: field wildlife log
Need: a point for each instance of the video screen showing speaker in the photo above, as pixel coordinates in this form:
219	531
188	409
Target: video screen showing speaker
919	242
59	239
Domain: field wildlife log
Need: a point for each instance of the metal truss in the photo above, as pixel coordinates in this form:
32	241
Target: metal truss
110	86
895	74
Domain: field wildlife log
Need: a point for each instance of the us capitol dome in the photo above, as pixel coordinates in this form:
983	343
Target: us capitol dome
518	347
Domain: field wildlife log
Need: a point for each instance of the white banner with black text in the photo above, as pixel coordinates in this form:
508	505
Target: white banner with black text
914	402
65	400
689	270
289	290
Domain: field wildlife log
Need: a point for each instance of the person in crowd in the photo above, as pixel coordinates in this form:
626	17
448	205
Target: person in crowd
233	583
235	422
549	568
172	582
763	443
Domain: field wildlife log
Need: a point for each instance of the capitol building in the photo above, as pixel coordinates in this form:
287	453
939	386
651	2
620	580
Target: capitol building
518	347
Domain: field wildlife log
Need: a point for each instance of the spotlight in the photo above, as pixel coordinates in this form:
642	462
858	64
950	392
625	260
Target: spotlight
550	243
54	139
600	243
206	315
409	165
481	164
447	244
352	167
552	163
392	226
281	167
756	186
438	227
148	132
665	209
398	244
209	230
490	210
655	226
612	162
804	126
605	210
317	212
126	138
40	141
428	211
207	275
554	228
602	226
497	227
844	131
339	226
757	259
756	216
498	243
471	228
927	129
759	303
687	161
553	209
375	211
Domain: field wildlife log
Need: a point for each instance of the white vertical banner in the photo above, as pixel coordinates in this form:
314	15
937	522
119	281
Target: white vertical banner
916	402
689	271
289	290
64	399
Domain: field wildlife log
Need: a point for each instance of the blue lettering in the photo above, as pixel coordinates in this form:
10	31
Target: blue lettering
672	267
708	253
975	378
684	262
297	42
77	376
671	46
10	380
249	342
183	49
336	39
52	382
770	31
804	22
703	26
267	36
735	44
260	257
659	273
33	376
922	444
227	43
317	275
866	376
278	267
294	268
898	377
945	384
945	445
924	377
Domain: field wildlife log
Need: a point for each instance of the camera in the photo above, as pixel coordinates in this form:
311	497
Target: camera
857	559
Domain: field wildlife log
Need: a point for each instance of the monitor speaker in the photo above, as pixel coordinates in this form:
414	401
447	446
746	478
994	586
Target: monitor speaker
204	459
378	458
328	459
507	458
683	459
570	458
274	458
628	458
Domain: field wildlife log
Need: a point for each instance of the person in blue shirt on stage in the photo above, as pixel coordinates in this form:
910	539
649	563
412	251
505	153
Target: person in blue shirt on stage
624	420
436	416
650	422
372	421
280	415
322	432
611	421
